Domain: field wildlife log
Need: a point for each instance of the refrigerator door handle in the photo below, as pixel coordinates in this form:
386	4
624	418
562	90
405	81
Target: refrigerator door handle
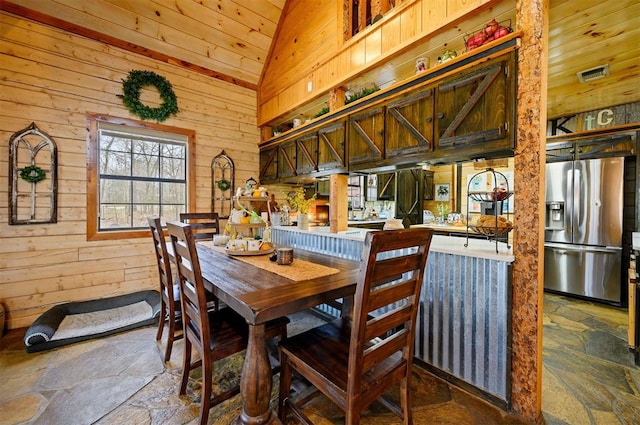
565	248
577	204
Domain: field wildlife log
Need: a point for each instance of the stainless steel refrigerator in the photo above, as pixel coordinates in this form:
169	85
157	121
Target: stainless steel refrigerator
583	228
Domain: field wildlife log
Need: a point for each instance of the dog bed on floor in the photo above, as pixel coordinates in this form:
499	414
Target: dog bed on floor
78	321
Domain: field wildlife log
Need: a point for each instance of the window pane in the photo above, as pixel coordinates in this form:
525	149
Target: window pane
115	143
146	147
146	192
141	212
171	212
174	193
115	191
145	166
115	163
172	168
171	150
115	216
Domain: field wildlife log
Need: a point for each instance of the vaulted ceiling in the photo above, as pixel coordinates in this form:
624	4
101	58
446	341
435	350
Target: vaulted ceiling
225	39
230	39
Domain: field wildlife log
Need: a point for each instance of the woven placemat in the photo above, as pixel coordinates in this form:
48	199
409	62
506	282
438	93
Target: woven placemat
297	271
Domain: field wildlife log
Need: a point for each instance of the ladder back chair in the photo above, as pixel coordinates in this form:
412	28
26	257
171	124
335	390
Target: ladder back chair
203	225
355	361
169	291
213	334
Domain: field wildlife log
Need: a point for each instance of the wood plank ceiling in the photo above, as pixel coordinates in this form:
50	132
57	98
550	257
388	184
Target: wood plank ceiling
230	39
225	39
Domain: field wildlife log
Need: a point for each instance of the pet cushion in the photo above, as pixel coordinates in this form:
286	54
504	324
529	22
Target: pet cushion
78	321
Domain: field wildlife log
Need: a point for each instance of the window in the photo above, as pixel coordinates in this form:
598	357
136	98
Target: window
136	170
360	14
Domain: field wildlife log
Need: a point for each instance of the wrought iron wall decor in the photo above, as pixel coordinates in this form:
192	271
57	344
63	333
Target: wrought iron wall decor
222	184
33	177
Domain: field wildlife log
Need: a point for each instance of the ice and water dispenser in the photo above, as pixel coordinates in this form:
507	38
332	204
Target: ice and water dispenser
554	217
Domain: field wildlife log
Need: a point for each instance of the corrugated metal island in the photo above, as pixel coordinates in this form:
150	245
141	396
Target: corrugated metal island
464	318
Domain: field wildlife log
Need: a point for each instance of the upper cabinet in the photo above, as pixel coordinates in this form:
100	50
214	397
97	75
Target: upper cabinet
287	159
588	146
269	164
467	114
307	153
477	107
409	124
366	136
331	147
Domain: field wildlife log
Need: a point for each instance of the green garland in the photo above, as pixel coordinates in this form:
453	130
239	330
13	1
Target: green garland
131	97
224	185
32	174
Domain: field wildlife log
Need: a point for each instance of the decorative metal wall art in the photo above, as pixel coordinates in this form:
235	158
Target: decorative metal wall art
33	177
222	184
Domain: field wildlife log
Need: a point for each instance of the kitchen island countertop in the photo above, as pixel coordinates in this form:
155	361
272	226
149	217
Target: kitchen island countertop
455	245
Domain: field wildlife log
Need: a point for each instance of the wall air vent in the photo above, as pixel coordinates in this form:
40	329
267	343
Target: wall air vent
593	73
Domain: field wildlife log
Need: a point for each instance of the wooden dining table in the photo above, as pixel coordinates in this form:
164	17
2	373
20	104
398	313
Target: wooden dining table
260	295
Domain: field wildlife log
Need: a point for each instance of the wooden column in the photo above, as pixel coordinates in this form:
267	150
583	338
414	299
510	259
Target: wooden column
337	98
338	203
532	17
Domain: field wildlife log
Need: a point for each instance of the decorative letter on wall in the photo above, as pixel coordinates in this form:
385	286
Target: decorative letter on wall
33	177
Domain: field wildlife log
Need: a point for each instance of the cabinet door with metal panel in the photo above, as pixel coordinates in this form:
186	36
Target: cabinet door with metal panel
268	164
387	186
331	147
307	153
287	159
366	136
409	196
475	108
409	123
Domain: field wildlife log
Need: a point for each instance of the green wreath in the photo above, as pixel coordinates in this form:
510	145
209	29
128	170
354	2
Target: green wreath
223	185
32	174
131	97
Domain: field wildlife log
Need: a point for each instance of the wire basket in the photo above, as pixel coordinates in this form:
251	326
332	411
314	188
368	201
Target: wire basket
487	33
491	230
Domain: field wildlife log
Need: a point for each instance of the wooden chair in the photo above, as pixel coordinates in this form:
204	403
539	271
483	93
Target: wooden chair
354	361
203	225
213	334
169	291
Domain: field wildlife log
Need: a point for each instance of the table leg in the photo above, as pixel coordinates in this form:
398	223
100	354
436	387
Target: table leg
256	381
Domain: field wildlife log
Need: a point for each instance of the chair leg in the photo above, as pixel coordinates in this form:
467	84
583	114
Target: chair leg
405	402
170	337
163	315
186	367
207	383
285	387
352	416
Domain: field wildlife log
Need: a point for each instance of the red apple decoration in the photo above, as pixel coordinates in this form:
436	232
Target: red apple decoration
476	40
501	32
491	27
499	193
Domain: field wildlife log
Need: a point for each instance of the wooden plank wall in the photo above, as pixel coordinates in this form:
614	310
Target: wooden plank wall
54	78
311	50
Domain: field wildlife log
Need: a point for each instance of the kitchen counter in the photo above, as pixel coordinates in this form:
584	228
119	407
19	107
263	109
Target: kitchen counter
476	248
448	228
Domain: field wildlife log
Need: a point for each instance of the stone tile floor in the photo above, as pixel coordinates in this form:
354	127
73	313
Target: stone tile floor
589	375
588	378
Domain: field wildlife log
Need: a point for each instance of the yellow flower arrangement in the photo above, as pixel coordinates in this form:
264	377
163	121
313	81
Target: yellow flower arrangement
298	202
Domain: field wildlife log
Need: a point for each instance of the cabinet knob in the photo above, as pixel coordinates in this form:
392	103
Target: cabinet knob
429	119
440	115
